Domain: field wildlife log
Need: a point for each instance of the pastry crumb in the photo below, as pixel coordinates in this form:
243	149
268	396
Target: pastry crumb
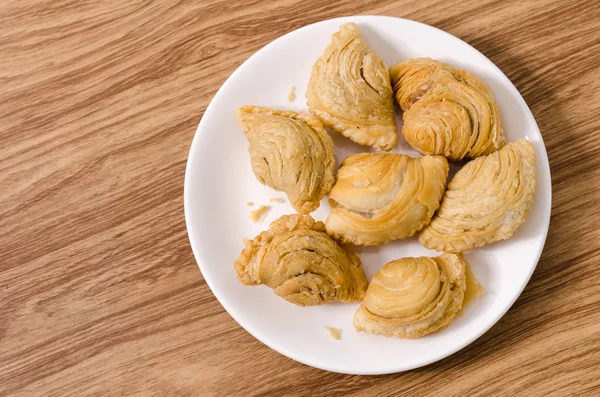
249	203
244	241
277	200
334	333
259	214
292	94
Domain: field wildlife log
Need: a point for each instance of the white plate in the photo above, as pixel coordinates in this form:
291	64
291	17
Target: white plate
219	182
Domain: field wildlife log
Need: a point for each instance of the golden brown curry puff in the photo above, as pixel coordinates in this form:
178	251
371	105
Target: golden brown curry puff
301	263
380	197
447	111
413	297
486	201
350	91
290	152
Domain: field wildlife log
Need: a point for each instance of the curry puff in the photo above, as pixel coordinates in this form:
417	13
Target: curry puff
413	297
447	112
290	152
301	263
486	201
350	91
380	197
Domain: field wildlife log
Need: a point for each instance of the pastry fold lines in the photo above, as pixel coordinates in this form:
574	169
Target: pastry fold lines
350	91
380	197
301	263
486	201
290	152
447	112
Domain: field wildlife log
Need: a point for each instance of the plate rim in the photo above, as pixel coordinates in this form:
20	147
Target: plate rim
282	349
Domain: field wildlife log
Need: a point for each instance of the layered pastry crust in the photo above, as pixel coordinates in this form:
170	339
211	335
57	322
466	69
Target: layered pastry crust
380	197
413	297
350	91
301	263
447	111
486	201
290	152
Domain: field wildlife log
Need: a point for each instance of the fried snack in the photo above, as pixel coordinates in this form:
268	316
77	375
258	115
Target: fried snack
301	263
413	297
290	152
447	112
486	201
350	91
380	197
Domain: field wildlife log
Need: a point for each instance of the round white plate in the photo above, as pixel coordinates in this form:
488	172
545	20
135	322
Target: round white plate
219	182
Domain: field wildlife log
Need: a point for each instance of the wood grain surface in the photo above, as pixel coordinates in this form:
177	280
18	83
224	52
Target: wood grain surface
99	291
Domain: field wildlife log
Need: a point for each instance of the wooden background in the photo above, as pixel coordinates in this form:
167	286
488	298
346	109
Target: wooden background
99	291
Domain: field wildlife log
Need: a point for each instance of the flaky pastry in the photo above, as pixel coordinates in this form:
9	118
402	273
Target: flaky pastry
301	263
486	201
447	111
413	297
290	152
350	91
380	197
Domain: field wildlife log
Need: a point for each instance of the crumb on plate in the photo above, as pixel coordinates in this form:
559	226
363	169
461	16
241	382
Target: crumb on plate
259	214
249	203
334	333
292	94
277	200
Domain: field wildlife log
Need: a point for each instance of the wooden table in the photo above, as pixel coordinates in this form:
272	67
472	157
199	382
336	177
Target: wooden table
99	291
